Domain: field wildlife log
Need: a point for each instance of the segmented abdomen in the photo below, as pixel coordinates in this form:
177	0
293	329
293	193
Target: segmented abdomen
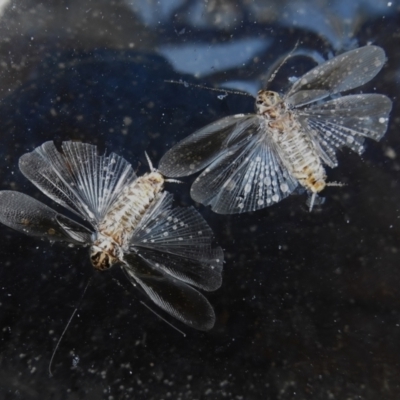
302	160
129	208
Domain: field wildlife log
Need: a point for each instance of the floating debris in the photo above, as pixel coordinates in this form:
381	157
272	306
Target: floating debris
252	161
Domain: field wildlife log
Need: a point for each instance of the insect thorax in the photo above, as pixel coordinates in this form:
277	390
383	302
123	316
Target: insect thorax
270	104
104	253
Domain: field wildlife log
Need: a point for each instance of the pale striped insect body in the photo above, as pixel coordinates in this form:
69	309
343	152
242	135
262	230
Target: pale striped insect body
251	161
167	251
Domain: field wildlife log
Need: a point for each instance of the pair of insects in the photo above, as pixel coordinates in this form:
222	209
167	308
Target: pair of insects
249	161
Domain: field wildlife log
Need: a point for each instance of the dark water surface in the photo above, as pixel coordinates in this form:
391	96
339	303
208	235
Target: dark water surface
310	303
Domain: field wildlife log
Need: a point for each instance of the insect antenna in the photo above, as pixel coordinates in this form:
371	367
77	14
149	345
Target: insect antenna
139	164
273	75
226	91
163	319
66	327
152	169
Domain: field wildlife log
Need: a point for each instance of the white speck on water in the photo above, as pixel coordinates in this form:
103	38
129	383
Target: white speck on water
127	121
390	153
75	361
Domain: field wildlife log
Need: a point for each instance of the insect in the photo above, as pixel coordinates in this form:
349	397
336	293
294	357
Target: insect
252	161
166	251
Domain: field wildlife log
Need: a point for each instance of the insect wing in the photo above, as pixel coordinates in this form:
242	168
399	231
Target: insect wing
78	178
29	216
246	177
195	152
74	230
172	295
344	72
346	121
178	242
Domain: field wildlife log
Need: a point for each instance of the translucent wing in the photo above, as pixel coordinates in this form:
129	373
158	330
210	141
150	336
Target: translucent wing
202	147
346	121
29	216
246	177
344	72
78	178
178	242
173	296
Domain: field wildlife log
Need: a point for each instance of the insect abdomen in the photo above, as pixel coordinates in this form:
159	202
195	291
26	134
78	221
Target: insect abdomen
128	210
302	161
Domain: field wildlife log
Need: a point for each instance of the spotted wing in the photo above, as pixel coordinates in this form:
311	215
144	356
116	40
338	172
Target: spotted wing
178	242
201	148
246	177
170	294
78	178
29	216
346	121
344	72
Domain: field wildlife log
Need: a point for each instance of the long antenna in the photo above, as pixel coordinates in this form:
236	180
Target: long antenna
226	91
65	329
272	77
